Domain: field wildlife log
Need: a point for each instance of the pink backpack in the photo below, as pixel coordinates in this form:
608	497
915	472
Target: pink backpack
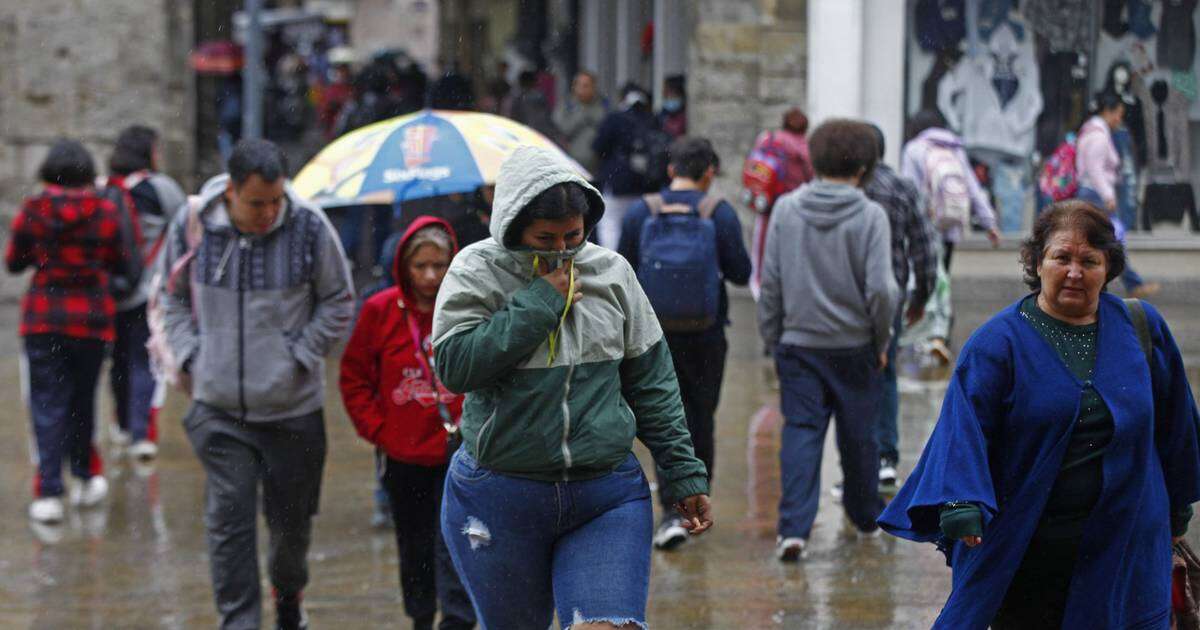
1058	179
946	188
163	362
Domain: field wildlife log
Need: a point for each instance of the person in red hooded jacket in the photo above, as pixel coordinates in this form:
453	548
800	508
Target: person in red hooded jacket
396	403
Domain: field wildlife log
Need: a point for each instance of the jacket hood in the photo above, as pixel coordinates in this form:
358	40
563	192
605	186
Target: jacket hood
417	225
527	173
941	137
825	204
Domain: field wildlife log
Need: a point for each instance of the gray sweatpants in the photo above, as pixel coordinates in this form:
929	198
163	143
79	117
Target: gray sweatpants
286	458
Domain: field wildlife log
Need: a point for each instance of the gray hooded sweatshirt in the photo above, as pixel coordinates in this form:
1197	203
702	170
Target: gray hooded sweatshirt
257	314
827	277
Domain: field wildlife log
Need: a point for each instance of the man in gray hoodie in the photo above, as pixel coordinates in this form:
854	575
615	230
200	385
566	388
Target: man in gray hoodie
266	296
826	308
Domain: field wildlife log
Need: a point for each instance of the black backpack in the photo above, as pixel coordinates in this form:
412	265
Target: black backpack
649	157
124	284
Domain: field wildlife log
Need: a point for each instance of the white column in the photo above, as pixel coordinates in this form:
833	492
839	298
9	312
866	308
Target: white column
835	59
883	71
597	33
670	42
626	42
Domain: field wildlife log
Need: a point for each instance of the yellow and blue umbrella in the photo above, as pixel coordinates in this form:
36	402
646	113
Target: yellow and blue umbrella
420	155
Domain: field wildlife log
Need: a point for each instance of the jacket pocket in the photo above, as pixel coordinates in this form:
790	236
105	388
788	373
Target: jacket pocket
275	382
215	370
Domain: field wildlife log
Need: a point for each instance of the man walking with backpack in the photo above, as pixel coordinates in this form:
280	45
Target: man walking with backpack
265	295
629	145
684	244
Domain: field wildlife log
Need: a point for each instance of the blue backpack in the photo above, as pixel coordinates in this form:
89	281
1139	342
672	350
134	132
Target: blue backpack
678	264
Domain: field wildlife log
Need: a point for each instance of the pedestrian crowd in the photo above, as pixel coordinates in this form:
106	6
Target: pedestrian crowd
502	378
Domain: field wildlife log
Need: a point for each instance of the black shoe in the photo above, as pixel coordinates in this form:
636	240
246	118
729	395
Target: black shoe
670	534
424	623
289	612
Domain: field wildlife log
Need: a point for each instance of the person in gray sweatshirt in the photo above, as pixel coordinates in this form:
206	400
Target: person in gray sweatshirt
826	308
266	295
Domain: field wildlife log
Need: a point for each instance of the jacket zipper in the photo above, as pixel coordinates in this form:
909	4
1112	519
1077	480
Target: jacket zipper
566	402
243	245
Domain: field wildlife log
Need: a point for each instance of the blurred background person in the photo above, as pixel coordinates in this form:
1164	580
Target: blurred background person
578	118
74	240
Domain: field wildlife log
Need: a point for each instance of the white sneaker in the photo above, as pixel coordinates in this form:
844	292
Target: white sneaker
90	492
143	450
46	510
670	535
789	549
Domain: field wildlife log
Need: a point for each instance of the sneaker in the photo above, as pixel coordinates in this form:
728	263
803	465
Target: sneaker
90	492
46	510
789	549
670	534
887	477
289	612
143	450
381	517
837	491
939	350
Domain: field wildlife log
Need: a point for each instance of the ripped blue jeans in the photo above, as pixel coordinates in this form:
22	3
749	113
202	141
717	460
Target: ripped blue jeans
525	548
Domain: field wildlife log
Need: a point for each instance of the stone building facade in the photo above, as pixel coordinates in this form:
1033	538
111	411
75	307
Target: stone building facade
84	69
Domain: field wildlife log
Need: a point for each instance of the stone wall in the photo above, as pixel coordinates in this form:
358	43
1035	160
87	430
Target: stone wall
85	69
746	66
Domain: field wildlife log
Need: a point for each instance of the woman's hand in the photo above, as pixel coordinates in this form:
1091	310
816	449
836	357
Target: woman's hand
560	278
696	511
971	541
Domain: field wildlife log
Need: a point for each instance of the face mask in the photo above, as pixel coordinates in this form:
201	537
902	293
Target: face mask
672	105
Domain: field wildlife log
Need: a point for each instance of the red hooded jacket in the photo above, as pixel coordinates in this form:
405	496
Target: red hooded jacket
388	392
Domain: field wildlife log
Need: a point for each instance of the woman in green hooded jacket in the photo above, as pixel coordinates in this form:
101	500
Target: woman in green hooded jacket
563	363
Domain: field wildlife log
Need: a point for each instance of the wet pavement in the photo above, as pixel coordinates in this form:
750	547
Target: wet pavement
139	560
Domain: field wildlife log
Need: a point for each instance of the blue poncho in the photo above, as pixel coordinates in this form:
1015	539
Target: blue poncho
1004	426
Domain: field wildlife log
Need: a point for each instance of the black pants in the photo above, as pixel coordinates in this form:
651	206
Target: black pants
1037	595
700	367
286	458
427	575
132	382
62	373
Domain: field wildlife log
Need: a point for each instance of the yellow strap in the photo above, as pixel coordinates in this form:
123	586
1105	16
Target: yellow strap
562	321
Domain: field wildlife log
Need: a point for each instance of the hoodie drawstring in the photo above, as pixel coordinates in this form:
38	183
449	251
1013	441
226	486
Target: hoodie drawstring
562	321
224	260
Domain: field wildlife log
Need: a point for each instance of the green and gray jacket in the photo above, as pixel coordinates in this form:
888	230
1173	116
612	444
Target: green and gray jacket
572	416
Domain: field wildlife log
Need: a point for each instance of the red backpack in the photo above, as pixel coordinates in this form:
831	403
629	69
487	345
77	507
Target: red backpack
763	175
1058	179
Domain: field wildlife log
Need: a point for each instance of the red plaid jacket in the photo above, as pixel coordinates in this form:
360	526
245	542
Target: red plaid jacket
74	240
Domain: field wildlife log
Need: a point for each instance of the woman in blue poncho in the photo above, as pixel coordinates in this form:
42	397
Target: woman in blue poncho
1066	457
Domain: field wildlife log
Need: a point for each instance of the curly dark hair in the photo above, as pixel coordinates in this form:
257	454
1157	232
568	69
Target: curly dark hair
1077	215
843	148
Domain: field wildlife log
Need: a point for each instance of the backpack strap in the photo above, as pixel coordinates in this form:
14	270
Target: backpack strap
654	202
1137	313
708	206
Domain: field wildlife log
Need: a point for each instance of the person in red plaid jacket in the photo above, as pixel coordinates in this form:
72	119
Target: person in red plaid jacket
74	240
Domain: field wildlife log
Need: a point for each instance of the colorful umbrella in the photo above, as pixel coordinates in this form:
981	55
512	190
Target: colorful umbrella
420	155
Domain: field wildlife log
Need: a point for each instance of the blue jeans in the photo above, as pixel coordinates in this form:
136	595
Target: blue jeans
815	384
132	381
1126	189
886	432
1011	182
1130	277
62	373
526	548
350	229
